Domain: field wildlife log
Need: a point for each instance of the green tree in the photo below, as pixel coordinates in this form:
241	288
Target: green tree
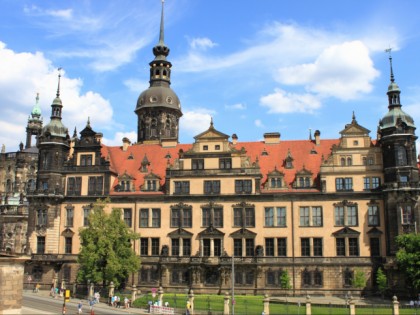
381	281
359	279
285	280
106	252
408	258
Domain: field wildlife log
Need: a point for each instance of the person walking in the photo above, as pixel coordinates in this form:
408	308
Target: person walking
79	307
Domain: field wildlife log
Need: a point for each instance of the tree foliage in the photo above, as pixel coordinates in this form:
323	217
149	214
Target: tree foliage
285	280
408	258
381	281
106	252
359	279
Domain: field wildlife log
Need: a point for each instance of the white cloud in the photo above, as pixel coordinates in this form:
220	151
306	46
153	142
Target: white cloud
237	106
343	71
202	43
22	75
35	10
284	102
258	123
118	136
195	121
136	85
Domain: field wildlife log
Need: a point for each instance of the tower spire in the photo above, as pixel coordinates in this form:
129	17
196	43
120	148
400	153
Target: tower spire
161	33
59	79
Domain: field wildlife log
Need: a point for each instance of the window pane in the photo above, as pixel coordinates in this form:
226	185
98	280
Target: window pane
351	216
206	217
339	216
175	217
282	246
144	217
316	216
218	217
155	217
175	247
237	245
353	246
186	247
373	217
155	246
340	246
317	246
281	216
250	218
144	246
269	216
304	216
187	218
237	217
269	247
249	247
305	247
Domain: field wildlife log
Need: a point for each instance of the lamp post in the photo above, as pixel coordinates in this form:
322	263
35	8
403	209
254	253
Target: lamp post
88	284
233	279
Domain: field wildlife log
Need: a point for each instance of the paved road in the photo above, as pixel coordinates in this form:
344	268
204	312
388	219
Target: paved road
35	304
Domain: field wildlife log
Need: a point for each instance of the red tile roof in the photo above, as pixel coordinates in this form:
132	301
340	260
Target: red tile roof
306	154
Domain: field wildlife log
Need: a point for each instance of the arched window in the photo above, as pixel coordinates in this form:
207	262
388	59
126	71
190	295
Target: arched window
343	161
349	161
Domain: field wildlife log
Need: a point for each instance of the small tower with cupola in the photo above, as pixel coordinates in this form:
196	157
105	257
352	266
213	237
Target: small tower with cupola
397	139
158	108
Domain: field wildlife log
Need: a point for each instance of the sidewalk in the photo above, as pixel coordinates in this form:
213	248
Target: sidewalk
74	301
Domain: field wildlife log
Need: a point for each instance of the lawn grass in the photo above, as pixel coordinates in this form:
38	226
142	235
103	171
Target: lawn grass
253	305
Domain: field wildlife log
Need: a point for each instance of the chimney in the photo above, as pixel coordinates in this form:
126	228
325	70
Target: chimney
234	139
317	135
126	144
272	137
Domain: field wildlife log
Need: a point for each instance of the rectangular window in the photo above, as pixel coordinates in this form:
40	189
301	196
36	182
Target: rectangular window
197	164
175	247
187	218
225	163
212	186
269	216
86	213
344	183
281	216
249	217
144	246
237	217
69	216
304	216
95	185
341	246
366	183
186	247
68	245
86	160
128	217
352	216
373	215
218	217
175	218
237	247
41	217
270	277
182	187
156	218
155	246
269	247
316	216
405	214
305	247
376	182
74	186
206	247
40	244
249	247
243	186
375	250
282	246
144	217
217	247
353	246
339	215
206	217
317	246
181	217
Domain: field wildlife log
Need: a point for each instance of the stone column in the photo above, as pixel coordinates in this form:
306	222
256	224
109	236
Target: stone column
91	288
160	296
226	304
308	305
11	286
395	306
211	247
266	302
111	289
352	306
133	293
191	300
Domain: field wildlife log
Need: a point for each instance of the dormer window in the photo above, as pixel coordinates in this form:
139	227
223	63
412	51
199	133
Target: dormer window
86	160
151	185
288	161
276	182
304	182
125	185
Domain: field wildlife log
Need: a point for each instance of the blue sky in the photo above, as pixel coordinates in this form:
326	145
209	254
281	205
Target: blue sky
254	66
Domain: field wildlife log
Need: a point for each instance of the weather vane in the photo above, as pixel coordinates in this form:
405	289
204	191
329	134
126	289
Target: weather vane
388	50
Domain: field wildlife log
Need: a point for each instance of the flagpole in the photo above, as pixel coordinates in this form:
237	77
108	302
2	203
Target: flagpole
233	280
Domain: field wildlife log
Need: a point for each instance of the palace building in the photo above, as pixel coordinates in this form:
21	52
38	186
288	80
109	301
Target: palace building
318	209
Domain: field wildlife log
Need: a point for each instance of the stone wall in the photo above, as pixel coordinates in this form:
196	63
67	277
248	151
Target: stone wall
11	283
